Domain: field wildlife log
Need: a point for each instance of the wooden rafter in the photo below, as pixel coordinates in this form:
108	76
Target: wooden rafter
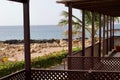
21	1
107	7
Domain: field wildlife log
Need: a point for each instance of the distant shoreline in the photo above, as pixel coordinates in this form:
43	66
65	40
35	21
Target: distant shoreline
14	49
15	41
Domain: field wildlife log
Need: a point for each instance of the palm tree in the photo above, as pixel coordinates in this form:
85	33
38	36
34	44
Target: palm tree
77	23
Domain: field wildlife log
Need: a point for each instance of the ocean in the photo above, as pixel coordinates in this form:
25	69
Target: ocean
38	32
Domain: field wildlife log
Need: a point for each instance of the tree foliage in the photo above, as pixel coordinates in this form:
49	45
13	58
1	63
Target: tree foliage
77	23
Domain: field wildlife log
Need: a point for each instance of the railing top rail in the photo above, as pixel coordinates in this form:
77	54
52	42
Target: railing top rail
35	69
18	72
92	57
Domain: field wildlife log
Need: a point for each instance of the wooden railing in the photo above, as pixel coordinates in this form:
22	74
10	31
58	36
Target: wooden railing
20	75
88	51
95	63
37	74
104	51
82	68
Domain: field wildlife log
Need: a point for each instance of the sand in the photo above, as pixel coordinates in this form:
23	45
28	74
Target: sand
15	52
44	51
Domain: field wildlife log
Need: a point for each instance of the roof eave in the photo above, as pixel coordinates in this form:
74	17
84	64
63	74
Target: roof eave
20	1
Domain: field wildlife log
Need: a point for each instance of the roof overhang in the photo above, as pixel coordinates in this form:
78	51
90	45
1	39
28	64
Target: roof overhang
107	7
21	1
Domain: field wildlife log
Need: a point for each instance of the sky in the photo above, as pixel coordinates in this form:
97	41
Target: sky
42	12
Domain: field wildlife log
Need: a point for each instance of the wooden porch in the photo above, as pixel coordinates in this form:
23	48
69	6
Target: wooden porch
92	63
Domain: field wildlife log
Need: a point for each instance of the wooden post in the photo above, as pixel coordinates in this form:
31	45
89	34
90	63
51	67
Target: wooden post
104	37
92	47
113	32
99	35
83	33
83	38
70	35
107	35
110	33
26	37
27	41
93	18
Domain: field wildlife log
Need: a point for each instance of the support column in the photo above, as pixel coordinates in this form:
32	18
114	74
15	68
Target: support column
107	35
27	41
69	35
93	18
99	35
110	33
104	37
83	33
113	33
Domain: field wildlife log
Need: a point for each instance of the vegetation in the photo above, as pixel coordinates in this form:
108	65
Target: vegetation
76	50
49	60
45	61
77	23
10	67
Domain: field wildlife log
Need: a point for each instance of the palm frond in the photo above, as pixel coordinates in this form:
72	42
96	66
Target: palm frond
64	13
63	22
77	23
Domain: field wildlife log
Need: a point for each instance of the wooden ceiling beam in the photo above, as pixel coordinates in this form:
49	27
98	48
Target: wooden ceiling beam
20	1
100	5
96	2
108	7
109	10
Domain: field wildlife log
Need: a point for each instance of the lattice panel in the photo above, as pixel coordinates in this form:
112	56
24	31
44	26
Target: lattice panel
66	75
95	63
105	76
16	76
76	63
59	75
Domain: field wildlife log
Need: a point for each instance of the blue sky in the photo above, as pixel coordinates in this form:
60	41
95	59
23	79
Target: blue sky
43	12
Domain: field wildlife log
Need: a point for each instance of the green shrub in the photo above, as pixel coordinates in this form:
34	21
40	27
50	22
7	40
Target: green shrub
49	60
10	67
45	61
76	50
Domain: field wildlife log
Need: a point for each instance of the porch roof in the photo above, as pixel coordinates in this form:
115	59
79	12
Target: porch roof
21	1
107	7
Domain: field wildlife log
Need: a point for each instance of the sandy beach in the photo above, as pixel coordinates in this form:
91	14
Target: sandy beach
15	52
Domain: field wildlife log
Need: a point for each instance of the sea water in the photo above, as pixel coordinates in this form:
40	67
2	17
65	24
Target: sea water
37	32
